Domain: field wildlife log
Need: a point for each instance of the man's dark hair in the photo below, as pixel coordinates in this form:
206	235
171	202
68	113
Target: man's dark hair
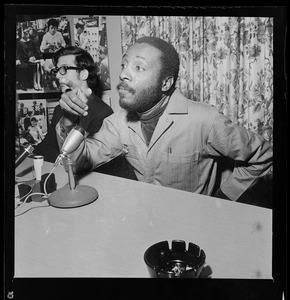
169	57
83	60
52	22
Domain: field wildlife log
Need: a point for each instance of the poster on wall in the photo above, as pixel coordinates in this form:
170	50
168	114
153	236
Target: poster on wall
32	121
36	42
90	33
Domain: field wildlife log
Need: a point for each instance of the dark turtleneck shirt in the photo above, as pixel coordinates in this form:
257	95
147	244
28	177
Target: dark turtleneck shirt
149	118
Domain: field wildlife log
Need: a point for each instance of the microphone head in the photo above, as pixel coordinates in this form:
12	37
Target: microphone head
27	150
73	140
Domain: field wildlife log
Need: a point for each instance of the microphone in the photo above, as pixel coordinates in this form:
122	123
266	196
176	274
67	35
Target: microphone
27	150
71	195
73	140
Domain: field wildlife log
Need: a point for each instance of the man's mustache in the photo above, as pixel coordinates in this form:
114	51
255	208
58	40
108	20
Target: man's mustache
126	87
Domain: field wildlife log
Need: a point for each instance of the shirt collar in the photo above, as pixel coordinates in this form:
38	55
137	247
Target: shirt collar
177	104
155	111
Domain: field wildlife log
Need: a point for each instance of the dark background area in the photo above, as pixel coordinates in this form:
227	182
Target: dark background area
148	289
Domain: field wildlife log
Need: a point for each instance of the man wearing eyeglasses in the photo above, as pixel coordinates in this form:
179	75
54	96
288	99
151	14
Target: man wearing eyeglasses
78	66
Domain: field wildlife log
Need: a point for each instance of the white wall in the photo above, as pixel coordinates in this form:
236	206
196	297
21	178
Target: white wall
115	57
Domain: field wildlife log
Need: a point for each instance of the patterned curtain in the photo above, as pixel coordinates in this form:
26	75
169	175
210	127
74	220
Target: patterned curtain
224	61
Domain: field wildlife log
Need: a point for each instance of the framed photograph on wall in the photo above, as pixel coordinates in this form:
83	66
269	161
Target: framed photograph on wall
90	33
36	42
32	120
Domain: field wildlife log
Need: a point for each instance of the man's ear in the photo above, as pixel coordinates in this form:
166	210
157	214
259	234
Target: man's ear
167	83
84	74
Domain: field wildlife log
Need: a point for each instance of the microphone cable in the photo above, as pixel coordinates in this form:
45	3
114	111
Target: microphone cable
29	194
56	163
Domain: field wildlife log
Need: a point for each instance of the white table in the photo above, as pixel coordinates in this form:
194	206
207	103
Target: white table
108	237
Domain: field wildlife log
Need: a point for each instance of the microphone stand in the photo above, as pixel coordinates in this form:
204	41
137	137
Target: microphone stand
71	178
72	195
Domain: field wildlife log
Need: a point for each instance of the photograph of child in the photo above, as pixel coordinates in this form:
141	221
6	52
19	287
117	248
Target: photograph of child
32	121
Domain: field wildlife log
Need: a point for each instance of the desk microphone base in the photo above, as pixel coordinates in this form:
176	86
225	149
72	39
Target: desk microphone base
67	198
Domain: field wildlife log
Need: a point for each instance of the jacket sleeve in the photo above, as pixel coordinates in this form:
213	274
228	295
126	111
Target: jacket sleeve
97	112
252	155
96	149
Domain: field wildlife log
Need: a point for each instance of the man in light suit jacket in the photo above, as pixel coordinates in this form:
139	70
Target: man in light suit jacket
168	139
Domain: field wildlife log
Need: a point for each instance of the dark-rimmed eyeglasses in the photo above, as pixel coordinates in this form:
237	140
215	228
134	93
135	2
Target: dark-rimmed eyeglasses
62	70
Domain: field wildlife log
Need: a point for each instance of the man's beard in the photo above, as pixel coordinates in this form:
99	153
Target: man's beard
144	100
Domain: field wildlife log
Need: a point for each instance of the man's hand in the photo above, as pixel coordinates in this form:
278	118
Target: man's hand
74	100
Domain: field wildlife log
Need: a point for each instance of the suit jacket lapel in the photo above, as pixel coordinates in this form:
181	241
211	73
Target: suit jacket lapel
177	106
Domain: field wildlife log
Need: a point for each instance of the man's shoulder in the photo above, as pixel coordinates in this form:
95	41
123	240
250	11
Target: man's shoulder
193	107
201	106
97	105
119	118
120	114
202	113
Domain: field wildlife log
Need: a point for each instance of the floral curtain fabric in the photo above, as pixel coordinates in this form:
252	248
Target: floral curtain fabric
224	61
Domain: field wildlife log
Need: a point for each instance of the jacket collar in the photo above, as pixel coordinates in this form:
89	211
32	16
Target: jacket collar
177	104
